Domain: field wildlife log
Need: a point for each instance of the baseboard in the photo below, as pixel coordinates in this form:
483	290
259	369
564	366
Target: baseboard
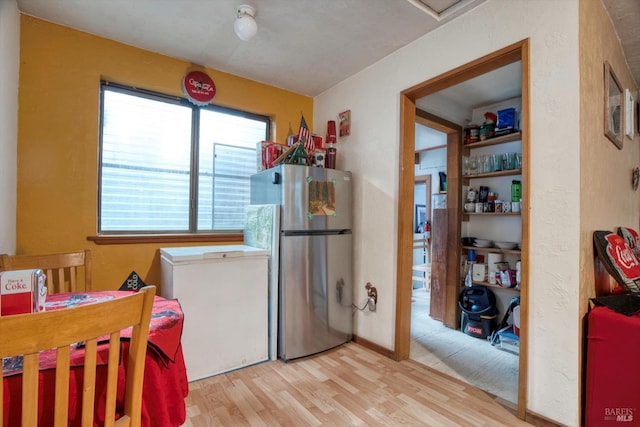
540	421
374	347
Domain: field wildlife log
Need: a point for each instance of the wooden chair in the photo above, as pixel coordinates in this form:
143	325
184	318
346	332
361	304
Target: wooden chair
62	269
28	334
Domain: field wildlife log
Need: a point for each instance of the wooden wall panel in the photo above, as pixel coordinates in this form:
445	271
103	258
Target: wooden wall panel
439	237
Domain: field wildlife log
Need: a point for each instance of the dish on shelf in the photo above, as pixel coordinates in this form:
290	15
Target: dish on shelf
482	243
506	245
468	241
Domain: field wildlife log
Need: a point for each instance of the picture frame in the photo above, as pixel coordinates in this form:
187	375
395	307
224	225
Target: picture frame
345	123
638	113
613	106
629	117
420	218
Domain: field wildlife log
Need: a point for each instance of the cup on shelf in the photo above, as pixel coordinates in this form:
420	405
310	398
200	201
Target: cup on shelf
465	166
492	277
486	167
473	165
515	207
483	193
506	207
496	160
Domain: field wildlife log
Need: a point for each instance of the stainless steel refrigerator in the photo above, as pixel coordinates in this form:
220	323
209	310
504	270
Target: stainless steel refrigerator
315	290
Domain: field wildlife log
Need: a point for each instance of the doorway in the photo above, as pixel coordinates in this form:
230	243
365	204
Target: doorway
508	55
442	348
421	268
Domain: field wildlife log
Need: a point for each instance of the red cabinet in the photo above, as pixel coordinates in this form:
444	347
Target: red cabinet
613	369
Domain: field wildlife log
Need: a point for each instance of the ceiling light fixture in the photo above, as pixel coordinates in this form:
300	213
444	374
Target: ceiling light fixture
245	25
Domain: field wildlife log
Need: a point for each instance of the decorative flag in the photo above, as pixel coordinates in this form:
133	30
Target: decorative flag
304	136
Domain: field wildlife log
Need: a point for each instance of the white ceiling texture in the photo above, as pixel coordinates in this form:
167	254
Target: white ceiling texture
305	46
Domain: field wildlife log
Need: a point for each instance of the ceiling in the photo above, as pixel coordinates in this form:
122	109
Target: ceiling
505	83
306	46
625	15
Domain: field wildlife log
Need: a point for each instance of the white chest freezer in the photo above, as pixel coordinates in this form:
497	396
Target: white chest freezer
223	292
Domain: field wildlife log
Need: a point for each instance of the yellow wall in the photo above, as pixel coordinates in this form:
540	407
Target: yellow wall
58	121
606	198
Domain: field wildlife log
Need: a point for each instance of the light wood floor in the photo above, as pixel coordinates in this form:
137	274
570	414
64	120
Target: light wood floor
349	385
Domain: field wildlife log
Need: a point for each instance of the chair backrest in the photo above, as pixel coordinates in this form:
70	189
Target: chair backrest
62	270
28	334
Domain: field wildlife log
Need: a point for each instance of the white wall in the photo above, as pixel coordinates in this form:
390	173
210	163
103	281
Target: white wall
9	66
371	152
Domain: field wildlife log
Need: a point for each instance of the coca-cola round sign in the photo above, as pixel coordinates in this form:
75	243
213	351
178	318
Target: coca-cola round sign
198	87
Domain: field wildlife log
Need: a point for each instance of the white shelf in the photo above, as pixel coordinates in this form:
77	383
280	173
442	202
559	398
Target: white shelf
493	250
516	136
508	172
495	286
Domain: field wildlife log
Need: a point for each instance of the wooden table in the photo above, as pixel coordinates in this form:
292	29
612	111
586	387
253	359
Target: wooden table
165	379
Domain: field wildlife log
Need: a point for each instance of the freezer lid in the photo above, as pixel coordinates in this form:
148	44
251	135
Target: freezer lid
196	253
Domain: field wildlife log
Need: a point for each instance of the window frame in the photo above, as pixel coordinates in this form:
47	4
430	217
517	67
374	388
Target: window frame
142	236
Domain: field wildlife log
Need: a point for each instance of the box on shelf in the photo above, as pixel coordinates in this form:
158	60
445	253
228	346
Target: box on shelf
317	140
267	152
319	158
22	291
479	272
508	121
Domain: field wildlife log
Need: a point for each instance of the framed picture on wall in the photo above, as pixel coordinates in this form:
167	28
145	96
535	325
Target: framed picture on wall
629	116
420	218
638	113
613	106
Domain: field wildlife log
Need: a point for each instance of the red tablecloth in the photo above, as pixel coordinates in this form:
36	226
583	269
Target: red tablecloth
165	379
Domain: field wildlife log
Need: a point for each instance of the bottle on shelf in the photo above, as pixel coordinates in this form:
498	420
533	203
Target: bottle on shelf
516	190
471	260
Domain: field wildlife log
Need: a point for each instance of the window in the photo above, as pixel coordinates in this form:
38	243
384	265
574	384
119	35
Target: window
167	166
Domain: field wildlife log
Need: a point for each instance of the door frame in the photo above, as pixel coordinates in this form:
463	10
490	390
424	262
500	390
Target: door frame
513	53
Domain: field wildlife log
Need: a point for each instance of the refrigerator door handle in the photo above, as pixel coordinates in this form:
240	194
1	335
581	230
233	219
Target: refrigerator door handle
314	232
275	178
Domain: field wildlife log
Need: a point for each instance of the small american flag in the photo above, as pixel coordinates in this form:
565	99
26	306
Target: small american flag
304	136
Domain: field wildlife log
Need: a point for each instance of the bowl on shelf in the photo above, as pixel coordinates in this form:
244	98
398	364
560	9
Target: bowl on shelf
468	241
482	243
506	245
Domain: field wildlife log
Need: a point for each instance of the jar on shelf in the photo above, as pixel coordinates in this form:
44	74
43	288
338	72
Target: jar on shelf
471	133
